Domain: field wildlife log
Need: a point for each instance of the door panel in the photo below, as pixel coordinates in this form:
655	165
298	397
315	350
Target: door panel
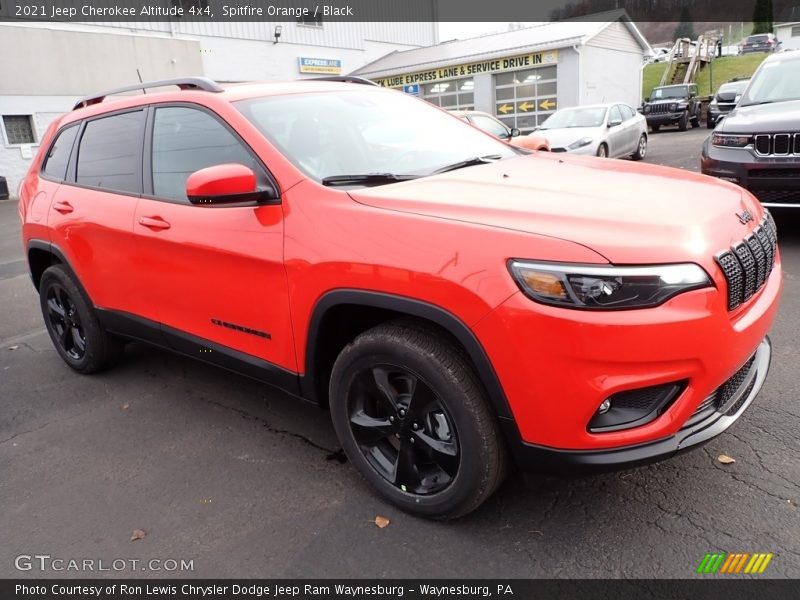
214	272
616	135
91	215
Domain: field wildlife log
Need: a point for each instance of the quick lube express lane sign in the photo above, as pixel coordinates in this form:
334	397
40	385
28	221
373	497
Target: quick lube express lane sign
331	66
498	65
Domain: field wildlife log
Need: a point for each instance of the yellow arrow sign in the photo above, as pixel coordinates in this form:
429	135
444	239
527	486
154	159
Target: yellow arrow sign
506	108
547	104
525	106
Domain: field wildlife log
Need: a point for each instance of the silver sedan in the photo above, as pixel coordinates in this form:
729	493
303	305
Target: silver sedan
605	130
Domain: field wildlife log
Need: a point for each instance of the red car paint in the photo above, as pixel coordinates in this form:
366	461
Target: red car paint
444	240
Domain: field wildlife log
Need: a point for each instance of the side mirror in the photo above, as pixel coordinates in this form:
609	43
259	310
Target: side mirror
226	184
647	98
515	132
615	122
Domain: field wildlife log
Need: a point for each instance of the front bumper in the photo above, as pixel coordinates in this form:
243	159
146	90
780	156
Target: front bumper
774	180
664	118
541	458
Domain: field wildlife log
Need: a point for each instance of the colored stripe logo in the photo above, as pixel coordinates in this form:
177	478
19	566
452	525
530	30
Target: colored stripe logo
734	562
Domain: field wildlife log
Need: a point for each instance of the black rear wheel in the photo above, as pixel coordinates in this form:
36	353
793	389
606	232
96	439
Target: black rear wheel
412	418
72	323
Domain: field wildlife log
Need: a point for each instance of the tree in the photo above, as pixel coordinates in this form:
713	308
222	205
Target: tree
762	16
685	28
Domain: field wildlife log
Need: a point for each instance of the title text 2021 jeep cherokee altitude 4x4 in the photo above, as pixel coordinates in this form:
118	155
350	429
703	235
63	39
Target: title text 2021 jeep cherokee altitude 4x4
452	300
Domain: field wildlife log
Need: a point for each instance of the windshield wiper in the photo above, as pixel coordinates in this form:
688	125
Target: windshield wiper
469	162
366	178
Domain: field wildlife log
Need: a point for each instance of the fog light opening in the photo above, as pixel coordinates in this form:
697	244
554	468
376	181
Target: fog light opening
605	406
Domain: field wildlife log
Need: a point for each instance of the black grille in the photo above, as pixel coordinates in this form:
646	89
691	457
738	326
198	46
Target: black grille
641	399
790	197
719	397
777	143
748	264
658	109
774	173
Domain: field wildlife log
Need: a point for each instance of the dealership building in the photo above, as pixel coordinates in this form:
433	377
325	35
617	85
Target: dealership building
48	66
523	76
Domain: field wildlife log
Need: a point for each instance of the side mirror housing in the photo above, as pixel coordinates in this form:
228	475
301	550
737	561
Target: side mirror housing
515	132
614	123
647	98
230	183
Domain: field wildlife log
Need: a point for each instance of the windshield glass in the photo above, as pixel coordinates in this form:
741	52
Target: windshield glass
775	81
729	88
673	91
369	131
576	117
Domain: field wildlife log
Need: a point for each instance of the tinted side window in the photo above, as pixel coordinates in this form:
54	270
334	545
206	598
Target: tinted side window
109	153
57	159
627	112
186	140
614	114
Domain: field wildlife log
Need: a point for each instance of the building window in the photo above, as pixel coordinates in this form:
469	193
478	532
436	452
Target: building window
796	31
456	94
19	129
524	99
311	20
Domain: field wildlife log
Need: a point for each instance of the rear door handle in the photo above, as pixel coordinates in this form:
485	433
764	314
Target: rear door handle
154	222
63	207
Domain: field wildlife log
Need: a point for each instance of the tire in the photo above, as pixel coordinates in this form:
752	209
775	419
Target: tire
695	122
683	124
413	419
602	150
72	324
710	123
655	128
641	148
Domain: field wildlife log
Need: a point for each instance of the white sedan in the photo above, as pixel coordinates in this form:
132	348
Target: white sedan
605	130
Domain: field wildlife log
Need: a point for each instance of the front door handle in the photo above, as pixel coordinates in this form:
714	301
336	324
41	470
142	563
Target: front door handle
63	207
154	222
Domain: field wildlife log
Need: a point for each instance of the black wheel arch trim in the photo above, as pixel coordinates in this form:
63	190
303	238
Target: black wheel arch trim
51	248
413	308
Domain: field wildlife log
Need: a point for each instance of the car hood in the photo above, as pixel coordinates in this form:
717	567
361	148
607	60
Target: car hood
561	138
764	118
628	212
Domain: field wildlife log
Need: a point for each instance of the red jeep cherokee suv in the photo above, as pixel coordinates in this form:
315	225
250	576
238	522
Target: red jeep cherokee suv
452	300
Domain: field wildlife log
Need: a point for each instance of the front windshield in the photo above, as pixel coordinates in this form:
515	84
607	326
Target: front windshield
576	117
329	134
775	81
730	88
674	91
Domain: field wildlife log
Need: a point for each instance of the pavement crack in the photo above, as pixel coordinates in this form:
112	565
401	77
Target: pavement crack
331	454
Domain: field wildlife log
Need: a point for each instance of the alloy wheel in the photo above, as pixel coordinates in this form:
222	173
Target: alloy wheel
403	429
65	322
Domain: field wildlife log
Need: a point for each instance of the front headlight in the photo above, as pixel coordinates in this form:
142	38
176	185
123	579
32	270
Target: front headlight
646	109
605	288
673	107
727	140
713	104
585	141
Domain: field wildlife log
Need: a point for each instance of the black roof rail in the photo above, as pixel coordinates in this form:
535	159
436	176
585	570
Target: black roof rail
184	83
342	79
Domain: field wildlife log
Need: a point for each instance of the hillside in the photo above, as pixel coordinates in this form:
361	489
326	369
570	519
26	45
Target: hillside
723	69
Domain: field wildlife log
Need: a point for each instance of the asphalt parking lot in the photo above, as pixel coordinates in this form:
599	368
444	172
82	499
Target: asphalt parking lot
245	482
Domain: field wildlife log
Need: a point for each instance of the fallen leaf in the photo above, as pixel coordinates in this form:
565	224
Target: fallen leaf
126	406
138	534
13	347
725	459
382	521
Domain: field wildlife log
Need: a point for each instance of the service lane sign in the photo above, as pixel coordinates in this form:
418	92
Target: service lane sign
512	63
412	89
328	66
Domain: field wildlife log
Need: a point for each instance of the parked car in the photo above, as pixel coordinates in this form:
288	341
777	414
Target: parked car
673	105
489	124
762	42
724	100
451	299
605	130
757	145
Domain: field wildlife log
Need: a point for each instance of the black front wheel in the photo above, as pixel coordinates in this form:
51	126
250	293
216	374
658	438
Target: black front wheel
412	418
72	323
